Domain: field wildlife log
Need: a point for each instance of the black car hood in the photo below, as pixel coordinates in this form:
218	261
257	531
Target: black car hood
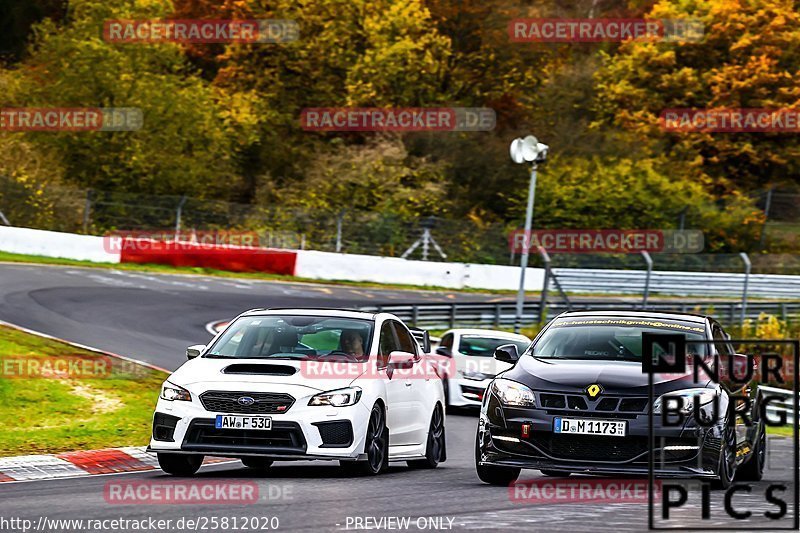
574	375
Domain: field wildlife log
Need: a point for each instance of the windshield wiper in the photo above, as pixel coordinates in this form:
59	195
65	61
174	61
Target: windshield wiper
219	356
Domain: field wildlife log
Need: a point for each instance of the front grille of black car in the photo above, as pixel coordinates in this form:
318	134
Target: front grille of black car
569	403
590	447
284	438
335	434
228	402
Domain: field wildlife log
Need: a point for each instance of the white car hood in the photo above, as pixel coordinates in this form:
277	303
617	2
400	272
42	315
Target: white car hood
204	371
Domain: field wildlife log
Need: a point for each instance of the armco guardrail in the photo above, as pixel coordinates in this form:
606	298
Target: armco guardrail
786	405
502	314
576	280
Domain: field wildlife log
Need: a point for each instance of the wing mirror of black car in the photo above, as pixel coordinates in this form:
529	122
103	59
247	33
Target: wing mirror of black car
194	350
507	353
441	350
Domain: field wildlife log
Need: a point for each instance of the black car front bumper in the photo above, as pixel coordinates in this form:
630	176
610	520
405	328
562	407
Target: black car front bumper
687	451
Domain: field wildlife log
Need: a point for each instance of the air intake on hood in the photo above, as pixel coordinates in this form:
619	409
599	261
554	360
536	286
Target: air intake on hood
260	369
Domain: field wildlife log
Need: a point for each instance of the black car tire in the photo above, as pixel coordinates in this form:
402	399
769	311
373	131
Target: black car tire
257	463
180	465
753	468
726	469
435	450
494	475
376	446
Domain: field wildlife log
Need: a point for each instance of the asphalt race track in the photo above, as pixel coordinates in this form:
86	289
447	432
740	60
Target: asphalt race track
153	317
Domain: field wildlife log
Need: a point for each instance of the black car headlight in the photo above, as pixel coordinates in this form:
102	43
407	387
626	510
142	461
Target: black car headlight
513	394
686	398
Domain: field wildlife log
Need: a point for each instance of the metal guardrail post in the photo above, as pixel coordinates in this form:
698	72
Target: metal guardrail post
541	315
453	316
339	220
178	214
649	261
414	315
497	311
747	267
87	209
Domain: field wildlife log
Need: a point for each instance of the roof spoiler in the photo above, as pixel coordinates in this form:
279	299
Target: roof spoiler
423	339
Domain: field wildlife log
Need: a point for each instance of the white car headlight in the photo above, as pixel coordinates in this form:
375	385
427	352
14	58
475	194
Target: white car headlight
513	394
171	392
476	376
701	395
337	398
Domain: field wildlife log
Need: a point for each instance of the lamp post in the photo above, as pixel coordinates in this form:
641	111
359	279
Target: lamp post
527	150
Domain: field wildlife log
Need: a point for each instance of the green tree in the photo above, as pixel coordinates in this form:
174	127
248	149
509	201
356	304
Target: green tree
193	133
748	58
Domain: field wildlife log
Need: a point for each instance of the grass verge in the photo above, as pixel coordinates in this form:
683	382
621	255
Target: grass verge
782	431
63	413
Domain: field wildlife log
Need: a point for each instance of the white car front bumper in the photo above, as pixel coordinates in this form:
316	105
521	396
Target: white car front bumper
466	392
301	432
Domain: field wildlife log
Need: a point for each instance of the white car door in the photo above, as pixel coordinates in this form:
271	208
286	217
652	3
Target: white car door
400	410
417	378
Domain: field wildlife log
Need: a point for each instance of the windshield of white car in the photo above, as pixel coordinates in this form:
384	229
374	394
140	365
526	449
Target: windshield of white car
293	337
479	346
610	339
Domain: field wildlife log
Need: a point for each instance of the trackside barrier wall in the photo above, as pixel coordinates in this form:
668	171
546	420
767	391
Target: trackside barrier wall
230	258
332	266
56	244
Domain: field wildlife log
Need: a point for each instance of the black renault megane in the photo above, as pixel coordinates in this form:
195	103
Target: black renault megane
577	401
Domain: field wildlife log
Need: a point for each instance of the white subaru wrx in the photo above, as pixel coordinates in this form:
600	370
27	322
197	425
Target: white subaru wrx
289	384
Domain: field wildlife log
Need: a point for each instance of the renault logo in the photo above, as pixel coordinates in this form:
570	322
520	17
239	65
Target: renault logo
593	390
246	400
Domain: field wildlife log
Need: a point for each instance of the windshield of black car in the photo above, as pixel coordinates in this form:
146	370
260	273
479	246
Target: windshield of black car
296	338
609	339
476	345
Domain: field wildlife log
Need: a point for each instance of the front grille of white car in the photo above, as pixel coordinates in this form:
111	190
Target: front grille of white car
253	403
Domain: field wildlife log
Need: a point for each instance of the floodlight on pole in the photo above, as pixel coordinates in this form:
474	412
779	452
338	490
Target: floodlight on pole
527	150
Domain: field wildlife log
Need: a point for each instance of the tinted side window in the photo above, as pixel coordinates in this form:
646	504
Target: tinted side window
387	342
723	347
407	342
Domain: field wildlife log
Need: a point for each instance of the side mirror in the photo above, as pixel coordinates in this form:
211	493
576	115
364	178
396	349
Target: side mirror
402	359
507	353
423	338
194	350
444	351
